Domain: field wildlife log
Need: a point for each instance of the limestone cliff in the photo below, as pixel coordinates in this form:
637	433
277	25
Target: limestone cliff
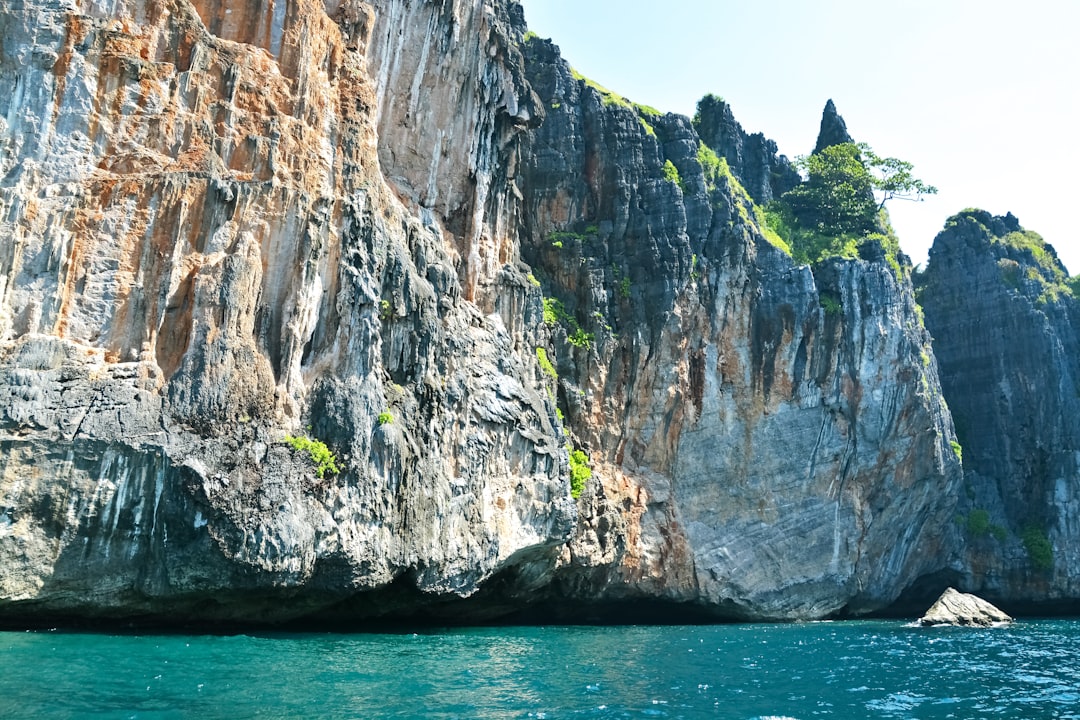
1004	319
223	222
771	440
201	253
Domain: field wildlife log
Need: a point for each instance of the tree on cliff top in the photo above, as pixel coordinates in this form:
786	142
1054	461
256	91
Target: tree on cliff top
893	179
837	197
847	185
841	202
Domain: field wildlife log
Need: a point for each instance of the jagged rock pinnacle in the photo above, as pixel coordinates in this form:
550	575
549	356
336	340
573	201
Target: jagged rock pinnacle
833	129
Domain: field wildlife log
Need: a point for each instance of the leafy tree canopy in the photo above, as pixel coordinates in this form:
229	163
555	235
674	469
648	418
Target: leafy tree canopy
838	195
841	204
892	178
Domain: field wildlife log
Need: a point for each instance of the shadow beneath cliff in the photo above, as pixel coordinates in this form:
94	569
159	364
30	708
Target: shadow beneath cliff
917	599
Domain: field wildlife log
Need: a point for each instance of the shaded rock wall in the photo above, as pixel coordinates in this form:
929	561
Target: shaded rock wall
1005	332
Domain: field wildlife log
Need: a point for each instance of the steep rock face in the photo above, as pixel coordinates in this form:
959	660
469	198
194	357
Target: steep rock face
768	442
753	158
223	222
200	254
1005	334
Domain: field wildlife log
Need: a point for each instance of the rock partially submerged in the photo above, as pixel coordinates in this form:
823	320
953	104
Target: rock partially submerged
963	609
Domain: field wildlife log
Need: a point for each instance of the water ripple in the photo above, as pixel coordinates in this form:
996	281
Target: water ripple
747	672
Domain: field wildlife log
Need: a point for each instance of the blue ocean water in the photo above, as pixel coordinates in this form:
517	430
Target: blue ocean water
871	669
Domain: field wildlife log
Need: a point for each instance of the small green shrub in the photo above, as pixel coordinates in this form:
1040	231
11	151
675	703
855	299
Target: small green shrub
1039	549
320	455
385	417
386	310
999	533
580	338
530	36
624	288
671	173
920	316
831	304
978	523
580	472
545	364
556	244
554	311
957	449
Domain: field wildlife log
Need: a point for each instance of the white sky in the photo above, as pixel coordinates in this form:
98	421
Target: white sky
982	96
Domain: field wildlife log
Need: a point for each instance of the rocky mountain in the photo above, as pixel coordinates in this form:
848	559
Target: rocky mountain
753	158
564	366
1002	311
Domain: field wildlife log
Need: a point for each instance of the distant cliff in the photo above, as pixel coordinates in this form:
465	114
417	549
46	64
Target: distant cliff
563	364
1004	318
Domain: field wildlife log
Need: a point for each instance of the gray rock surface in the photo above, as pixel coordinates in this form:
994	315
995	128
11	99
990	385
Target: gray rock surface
753	158
963	609
201	254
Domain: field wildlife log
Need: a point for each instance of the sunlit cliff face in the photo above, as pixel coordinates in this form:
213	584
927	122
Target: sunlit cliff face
228	221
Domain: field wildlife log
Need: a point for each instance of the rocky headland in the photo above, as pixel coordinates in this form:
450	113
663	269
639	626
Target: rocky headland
563	364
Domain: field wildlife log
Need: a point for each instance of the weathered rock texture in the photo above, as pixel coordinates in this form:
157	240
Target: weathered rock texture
1006	336
752	157
200	253
771	441
963	609
226	221
833	129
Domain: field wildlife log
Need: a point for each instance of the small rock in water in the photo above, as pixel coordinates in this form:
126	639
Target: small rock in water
963	609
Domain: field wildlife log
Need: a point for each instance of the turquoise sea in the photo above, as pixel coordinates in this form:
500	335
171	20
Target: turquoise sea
865	669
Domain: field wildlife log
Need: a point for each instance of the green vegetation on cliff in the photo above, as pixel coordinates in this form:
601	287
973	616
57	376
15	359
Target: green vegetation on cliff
580	472
607	97
671	173
545	364
978	525
1030	263
317	451
839	210
555	314
717	173
1040	551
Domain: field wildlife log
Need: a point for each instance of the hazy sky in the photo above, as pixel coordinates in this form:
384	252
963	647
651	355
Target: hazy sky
981	96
